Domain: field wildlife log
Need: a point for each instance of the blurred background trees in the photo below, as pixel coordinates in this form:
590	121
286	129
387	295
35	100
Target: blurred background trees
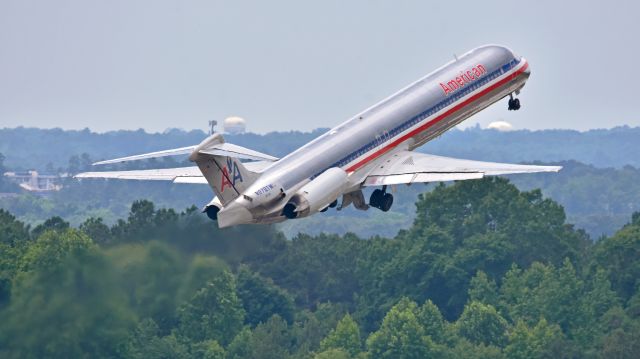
486	271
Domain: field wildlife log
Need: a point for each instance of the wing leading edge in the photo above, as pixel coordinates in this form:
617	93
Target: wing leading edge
411	167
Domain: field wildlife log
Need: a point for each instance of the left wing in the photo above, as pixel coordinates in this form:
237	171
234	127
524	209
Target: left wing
412	167
176	175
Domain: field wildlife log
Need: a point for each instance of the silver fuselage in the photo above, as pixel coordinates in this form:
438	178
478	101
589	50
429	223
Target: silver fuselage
405	120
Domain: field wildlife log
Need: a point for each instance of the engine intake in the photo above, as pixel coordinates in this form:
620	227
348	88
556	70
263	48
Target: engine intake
212	208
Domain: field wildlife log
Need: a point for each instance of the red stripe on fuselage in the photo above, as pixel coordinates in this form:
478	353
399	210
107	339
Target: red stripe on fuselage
437	119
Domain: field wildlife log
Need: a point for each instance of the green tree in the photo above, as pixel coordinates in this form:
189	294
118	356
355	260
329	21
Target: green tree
622	338
240	346
464	349
400	336
52	224
261	298
542	291
346	336
620	256
202	269
145	342
431	320
333	353
544	340
483	289
66	302
151	275
12	231
481	323
96	230
467	227
310	328
14	238
271	340
208	349
214	312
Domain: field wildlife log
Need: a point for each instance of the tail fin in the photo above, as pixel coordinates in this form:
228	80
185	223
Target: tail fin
226	175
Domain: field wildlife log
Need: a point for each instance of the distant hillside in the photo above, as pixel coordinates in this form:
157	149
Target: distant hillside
599	195
30	148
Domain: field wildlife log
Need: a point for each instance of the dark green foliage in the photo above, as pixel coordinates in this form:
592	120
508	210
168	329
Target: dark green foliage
312	267
240	346
271	340
400	335
151	276
214	312
97	230
482	324
541	341
620	256
66	303
145	342
498	272
346	337
262	299
52	224
12	231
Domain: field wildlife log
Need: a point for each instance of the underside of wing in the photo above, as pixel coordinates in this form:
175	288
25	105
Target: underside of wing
412	167
177	175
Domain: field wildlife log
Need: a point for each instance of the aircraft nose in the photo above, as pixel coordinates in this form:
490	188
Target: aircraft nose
527	70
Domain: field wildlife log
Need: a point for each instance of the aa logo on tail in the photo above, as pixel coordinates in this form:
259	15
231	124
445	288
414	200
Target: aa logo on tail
230	174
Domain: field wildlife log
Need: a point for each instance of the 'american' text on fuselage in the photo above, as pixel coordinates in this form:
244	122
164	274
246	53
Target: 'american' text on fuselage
465	77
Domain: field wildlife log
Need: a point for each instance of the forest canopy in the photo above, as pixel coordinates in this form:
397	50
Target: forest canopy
484	271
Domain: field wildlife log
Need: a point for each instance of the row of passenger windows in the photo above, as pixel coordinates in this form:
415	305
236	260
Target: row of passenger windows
428	113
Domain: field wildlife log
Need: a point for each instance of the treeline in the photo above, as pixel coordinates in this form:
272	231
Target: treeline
598	200
485	271
51	148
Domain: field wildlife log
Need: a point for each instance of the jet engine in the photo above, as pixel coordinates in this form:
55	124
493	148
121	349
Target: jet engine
212	208
317	194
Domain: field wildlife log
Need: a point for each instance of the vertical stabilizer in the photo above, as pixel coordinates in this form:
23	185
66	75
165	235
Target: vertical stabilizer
226	175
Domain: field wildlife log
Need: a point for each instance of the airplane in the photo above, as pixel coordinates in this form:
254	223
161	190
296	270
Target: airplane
374	148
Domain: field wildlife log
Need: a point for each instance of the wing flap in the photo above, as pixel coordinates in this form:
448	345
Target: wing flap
420	178
410	167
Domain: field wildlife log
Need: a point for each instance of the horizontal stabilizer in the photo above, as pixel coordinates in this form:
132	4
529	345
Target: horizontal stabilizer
214	145
231	150
174	152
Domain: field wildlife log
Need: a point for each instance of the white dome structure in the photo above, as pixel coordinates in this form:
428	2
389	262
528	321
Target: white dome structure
502	126
234	125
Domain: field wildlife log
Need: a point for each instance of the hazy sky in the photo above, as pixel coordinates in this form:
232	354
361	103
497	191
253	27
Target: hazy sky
157	64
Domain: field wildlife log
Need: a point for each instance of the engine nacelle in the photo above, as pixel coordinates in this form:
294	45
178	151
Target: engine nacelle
212	208
317	194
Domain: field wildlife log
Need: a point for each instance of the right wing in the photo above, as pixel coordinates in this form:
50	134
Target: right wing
412	167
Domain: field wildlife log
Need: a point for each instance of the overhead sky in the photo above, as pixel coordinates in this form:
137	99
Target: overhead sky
299	65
